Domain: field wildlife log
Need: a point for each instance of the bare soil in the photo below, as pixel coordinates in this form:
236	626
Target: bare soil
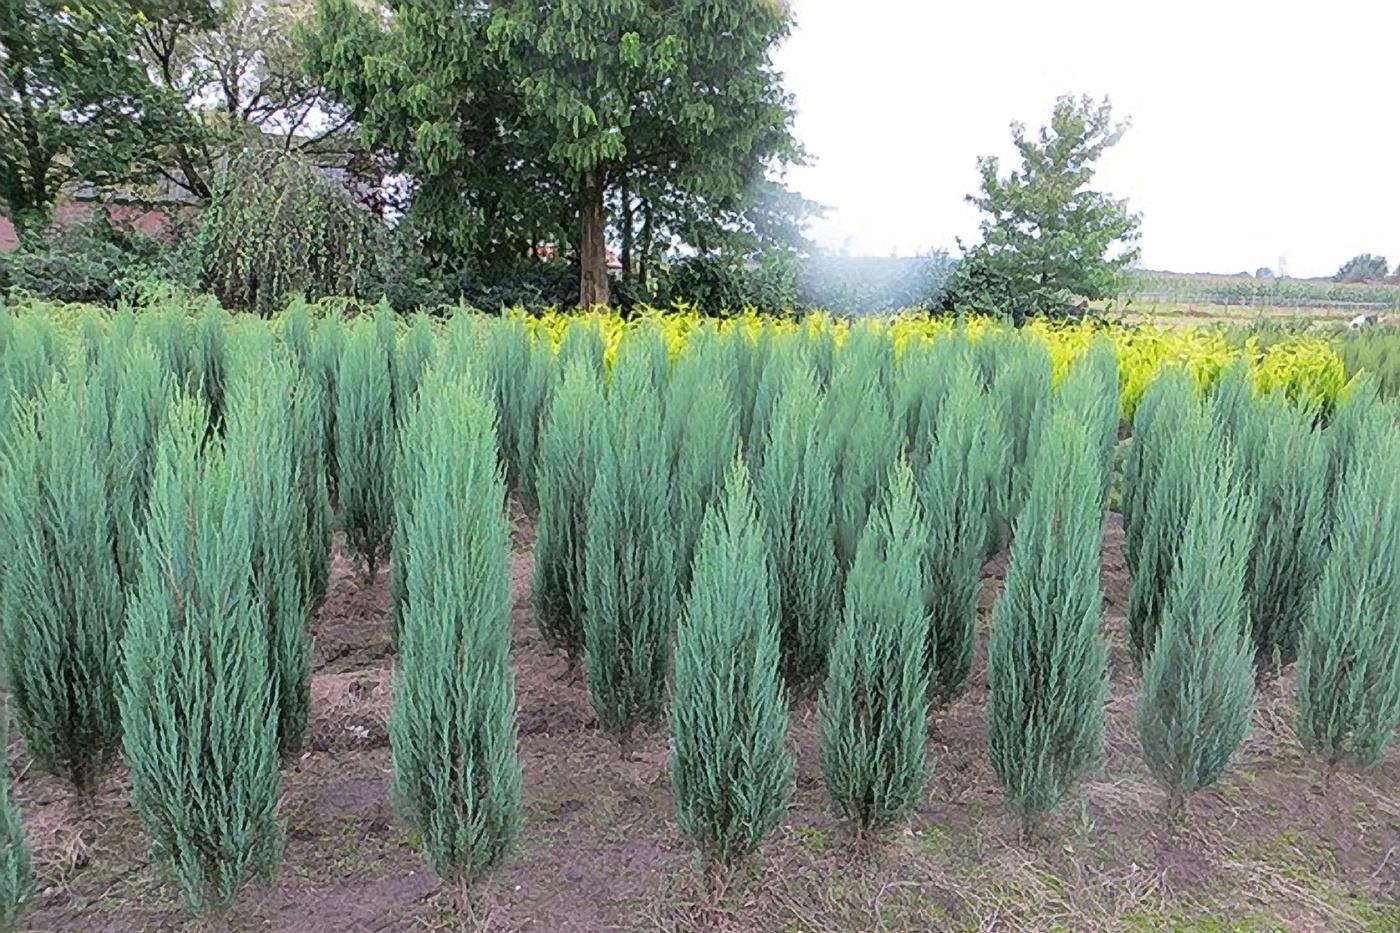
1272	848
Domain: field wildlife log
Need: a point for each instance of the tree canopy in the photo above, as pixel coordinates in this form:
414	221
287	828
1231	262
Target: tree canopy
76	103
1047	236
1363	268
568	125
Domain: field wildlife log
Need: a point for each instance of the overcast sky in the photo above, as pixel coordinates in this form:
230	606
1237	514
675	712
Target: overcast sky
1260	130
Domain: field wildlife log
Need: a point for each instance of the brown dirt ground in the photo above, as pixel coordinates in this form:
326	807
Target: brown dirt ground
1271	848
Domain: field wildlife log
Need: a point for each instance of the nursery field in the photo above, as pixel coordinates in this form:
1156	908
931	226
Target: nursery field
341	621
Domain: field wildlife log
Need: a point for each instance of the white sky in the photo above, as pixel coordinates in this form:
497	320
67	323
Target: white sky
1260	130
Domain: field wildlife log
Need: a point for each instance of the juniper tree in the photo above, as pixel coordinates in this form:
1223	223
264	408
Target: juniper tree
522	376
1198	676
198	709
414	355
16	871
858	418
570	441
1091	388
265	442
456	774
730	769
629	582
583	340
874	707
139	396
1348	687
1165	470
313	526
1285	461
702	428
794	490
1020	390
1046	662
64	605
956	489
365	424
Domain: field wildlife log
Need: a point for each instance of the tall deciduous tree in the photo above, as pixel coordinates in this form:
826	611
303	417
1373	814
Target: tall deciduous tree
76	102
523	122
1047	236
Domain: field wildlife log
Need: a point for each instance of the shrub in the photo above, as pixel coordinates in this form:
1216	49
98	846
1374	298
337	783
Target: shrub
1198	678
874	708
794	487
263	440
138	393
198	708
1348	688
1020	391
859	422
730	768
568	458
456	774
966	460
1171	433
64	604
95	260
275	228
365	425
522	376
1285	460
16	873
1091	388
702	427
630	583
1046	663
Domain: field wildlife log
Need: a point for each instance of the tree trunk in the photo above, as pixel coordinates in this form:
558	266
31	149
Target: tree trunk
645	266
592	247
627	237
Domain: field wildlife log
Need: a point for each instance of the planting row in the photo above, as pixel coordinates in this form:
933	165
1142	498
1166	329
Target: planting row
729	518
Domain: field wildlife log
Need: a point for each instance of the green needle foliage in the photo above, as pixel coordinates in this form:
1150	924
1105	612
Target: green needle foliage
1198	679
522	375
702	428
263	440
198	707
630	581
1091	389
967	460
874	708
16	872
859	420
64	606
795	488
1172	436
1047	665
313	524
1348	689
365	424
730	768
1020	390
569	448
138	393
457	777
1286	462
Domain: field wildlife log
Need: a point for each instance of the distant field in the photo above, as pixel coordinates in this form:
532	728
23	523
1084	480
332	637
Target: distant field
1247	294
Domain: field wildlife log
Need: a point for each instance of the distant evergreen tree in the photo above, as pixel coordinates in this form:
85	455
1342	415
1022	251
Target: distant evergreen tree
198	709
874	707
730	767
1198	676
1046	662
630	581
456	774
